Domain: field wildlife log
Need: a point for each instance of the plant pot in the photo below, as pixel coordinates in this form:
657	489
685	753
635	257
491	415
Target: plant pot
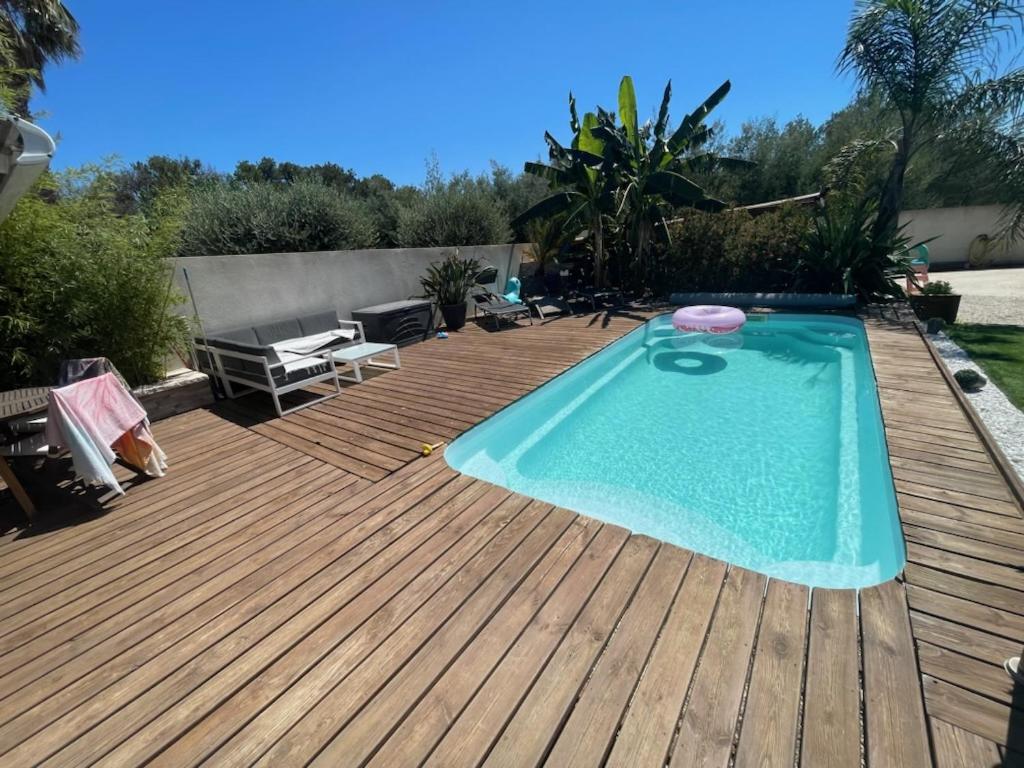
944	306
454	316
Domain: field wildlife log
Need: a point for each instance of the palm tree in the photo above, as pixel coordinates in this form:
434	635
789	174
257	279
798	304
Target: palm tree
546	238
925	58
35	33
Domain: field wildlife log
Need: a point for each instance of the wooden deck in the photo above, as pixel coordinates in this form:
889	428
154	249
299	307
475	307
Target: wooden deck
964	578
308	590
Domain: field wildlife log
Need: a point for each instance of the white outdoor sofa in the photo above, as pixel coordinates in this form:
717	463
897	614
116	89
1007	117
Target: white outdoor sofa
281	356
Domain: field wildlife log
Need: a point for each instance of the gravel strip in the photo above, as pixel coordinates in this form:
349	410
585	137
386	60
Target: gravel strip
991	310
1002	418
990	296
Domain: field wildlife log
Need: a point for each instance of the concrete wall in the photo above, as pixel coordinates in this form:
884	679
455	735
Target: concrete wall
233	291
955	228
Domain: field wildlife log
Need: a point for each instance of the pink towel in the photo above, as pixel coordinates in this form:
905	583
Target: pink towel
101	406
88	417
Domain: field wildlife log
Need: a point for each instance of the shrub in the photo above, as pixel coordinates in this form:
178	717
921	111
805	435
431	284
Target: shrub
734	251
764	249
449	281
268	218
844	257
937	288
461	211
78	281
695	257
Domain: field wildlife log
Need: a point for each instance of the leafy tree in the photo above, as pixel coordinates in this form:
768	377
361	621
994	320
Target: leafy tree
866	116
34	33
266	218
384	201
136	187
789	162
518	192
15	85
271	171
925	59
783	161
462	210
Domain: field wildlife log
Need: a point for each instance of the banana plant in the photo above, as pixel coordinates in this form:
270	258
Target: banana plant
628	175
653	166
584	184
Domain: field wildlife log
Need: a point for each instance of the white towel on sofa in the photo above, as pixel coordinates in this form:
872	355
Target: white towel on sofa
305	345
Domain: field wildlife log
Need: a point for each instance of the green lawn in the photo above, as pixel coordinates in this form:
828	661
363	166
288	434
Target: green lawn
999	350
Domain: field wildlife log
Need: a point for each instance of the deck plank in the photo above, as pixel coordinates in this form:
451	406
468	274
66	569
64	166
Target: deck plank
581	610
284	691
527	737
587	735
957	748
650	722
456	648
537	528
709	720
966	612
831	727
444	703
977	714
895	726
771	718
205	652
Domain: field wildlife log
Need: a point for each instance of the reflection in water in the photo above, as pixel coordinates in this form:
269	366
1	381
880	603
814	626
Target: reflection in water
726	342
690	363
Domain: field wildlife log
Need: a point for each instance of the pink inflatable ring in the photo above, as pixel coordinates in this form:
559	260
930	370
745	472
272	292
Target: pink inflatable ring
708	318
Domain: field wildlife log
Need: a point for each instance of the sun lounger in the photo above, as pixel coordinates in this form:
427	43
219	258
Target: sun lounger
545	303
500	309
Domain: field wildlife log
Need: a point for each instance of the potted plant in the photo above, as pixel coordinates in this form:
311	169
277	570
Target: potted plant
447	284
936	300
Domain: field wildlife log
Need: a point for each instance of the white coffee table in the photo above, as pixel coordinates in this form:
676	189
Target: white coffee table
363	354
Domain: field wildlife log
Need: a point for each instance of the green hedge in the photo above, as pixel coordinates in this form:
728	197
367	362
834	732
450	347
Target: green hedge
269	218
734	251
76	280
460	211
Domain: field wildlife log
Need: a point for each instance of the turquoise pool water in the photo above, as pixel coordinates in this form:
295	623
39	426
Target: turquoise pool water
763	448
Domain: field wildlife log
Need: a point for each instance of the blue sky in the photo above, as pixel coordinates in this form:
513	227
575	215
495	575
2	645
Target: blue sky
380	86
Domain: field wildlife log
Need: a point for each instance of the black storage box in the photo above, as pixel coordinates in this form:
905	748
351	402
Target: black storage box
397	322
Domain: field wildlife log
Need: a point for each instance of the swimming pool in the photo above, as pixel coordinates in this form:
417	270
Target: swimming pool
764	448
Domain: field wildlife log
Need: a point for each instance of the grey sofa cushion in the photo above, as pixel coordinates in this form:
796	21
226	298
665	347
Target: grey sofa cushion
260	350
244	335
318	322
314	369
279	330
249	369
280	376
